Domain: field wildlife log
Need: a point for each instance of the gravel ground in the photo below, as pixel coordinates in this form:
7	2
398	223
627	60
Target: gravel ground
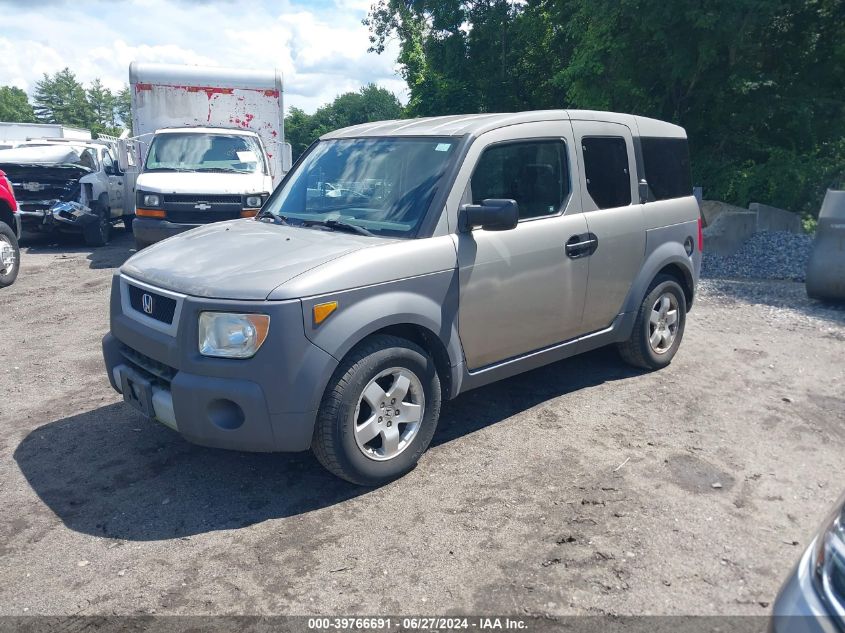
582	488
765	255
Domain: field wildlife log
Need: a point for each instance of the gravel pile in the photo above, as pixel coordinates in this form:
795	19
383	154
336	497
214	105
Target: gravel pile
766	255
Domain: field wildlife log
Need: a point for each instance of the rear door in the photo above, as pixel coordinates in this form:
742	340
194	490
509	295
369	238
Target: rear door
614	217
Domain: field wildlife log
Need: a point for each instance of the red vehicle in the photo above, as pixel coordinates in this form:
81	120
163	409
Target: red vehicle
10	231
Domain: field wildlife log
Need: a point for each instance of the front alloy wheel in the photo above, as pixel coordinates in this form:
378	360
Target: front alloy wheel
389	413
379	411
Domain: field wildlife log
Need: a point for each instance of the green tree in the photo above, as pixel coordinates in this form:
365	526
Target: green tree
102	108
758	84
371	103
15	106
61	98
122	108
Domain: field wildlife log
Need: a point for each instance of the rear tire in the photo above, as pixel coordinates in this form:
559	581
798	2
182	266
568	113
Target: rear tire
379	412
98	233
659	327
10	256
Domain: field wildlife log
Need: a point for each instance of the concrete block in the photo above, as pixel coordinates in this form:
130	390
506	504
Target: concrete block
774	219
826	268
711	209
729	231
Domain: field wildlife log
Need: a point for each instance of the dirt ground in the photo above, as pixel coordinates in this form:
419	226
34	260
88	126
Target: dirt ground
582	488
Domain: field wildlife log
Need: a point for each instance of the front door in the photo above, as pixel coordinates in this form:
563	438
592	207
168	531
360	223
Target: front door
115	180
614	217
520	292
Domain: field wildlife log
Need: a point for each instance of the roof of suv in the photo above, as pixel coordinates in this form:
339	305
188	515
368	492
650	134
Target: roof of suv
477	124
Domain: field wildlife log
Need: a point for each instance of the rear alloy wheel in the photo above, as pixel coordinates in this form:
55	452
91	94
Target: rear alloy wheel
10	256
379	412
659	326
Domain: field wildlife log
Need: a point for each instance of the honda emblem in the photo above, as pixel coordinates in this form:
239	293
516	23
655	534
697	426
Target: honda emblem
147	303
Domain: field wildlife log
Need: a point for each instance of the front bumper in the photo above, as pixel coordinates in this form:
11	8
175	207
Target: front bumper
799	608
57	219
263	404
151	230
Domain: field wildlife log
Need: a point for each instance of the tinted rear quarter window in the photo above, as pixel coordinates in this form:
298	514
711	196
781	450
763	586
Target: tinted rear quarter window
606	170
667	167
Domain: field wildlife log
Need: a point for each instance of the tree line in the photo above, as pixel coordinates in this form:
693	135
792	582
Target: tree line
62	98
759	85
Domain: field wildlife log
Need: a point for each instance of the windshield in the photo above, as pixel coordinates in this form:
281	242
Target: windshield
384	185
205	152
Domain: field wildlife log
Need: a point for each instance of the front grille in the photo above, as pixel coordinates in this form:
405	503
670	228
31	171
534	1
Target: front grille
154	370
201	217
196	198
160	308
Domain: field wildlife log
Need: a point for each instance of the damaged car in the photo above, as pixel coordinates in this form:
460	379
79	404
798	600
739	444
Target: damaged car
67	188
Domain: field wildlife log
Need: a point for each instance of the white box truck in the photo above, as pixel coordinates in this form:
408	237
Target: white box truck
209	144
14	134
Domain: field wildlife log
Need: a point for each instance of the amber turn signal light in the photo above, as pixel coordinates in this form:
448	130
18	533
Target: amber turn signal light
149	213
322	311
249	213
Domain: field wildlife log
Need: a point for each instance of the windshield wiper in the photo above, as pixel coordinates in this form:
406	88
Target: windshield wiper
339	225
223	170
277	219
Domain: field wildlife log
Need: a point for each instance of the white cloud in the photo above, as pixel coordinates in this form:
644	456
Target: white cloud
321	47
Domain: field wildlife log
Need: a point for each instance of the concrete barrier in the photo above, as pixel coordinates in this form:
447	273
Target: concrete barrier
712	209
826	268
729	231
774	219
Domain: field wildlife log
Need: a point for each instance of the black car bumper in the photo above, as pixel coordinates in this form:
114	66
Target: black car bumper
151	230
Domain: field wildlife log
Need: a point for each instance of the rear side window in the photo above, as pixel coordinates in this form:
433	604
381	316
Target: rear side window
606	170
534	173
667	167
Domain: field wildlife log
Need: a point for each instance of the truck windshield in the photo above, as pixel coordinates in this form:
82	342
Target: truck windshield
205	152
383	185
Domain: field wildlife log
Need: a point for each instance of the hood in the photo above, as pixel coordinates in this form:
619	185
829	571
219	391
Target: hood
241	259
204	182
61	155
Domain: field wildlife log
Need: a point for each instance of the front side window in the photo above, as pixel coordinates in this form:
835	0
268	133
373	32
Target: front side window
384	185
667	167
534	173
606	170
222	153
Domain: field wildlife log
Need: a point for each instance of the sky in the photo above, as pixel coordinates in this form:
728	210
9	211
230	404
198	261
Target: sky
319	45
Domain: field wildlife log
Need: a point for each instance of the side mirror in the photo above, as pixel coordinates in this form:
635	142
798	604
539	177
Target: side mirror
109	170
492	214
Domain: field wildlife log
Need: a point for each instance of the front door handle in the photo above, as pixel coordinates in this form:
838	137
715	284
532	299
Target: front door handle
582	245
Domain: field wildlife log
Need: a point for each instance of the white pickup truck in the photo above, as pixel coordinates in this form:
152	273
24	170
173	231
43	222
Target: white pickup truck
209	145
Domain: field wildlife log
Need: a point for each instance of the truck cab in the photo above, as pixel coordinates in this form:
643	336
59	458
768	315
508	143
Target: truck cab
195	176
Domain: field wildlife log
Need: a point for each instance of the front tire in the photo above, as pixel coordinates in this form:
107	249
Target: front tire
98	233
659	326
10	255
379	412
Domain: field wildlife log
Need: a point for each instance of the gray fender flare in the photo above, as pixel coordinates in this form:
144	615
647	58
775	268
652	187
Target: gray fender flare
431	304
666	254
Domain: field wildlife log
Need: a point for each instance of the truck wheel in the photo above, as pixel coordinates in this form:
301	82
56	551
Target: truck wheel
98	233
379	412
10	255
659	326
127	223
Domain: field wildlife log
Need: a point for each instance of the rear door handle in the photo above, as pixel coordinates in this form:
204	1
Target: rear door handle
582	245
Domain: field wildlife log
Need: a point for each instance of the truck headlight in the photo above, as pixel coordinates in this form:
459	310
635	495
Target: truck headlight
151	200
829	559
253	202
228	335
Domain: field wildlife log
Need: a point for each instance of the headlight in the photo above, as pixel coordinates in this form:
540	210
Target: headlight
228	335
829	559
151	200
253	202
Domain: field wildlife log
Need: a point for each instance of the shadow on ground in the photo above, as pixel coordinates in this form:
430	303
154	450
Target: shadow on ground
110	473
778	294
112	255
